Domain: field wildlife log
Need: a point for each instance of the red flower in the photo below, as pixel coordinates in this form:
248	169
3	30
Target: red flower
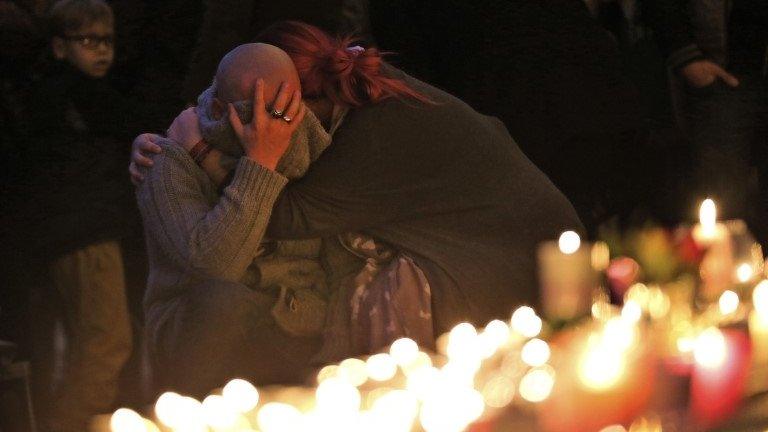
622	272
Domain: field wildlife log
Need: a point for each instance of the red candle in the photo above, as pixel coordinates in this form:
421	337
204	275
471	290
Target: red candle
719	374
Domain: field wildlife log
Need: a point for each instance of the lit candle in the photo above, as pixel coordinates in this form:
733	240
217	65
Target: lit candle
758	330
720	370
717	266
567	277
708	231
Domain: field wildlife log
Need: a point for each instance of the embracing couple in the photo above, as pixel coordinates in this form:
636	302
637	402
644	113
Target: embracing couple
319	203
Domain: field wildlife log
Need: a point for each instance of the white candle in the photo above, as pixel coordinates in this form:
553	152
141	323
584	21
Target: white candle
717	266
708	231
566	276
758	324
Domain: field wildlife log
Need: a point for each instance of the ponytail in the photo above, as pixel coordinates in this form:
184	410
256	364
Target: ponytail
329	67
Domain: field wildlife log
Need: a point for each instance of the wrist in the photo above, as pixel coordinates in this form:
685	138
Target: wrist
266	160
200	151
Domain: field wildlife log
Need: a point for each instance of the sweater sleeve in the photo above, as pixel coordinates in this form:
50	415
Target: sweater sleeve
215	239
672	26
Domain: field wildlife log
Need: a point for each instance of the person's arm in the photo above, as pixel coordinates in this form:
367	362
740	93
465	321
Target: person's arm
215	240
219	240
672	28
226	24
674	33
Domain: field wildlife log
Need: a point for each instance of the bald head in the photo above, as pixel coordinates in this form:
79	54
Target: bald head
240	68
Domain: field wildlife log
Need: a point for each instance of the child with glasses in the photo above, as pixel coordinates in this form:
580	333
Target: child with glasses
78	144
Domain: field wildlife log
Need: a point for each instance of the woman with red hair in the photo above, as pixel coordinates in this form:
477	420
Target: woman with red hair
417	169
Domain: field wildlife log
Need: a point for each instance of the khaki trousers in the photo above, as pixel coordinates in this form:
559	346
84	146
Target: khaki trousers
91	284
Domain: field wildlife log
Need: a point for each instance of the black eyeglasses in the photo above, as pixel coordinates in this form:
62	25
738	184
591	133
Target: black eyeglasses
92	41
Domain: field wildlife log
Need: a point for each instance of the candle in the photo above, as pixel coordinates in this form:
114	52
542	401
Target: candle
708	231
567	277
717	267
720	370
758	330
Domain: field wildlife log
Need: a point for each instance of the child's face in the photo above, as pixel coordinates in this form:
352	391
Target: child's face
91	49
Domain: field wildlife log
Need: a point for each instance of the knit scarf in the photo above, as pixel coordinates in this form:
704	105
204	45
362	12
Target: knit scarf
307	143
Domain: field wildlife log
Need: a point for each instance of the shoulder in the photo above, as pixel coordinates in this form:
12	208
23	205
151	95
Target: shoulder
172	164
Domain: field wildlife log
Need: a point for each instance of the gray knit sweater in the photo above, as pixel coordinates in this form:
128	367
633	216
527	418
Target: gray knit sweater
196	232
193	232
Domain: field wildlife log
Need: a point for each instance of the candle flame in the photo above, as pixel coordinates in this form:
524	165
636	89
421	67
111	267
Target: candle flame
569	242
710	348
760	298
744	272
729	302
601	365
708	214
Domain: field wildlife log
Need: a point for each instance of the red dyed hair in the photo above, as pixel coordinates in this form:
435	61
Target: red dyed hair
328	68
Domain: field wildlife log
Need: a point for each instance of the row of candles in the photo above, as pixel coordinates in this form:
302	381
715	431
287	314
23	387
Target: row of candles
474	373
478	374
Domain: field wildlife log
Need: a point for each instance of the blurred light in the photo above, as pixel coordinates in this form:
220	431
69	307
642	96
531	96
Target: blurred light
708	216
326	372
422	380
601	366
398	408
535	352
461	371
729	302
179	412
613	428
710	349
218	413
744	272
569	242
499	391
166	407
241	395
337	395
463	341
760	298
421	360
601	256
638	293
686	344
279	417
620	333
537	384
126	420
632	311
150	426
381	367
647	424
497	330
354	371
601	310
451	409
526	322
658	303
404	351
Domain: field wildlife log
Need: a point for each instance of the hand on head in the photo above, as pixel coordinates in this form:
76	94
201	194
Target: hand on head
264	73
267	136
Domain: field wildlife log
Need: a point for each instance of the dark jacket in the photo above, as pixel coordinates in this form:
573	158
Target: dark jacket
545	68
229	23
446	185
76	153
733	33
